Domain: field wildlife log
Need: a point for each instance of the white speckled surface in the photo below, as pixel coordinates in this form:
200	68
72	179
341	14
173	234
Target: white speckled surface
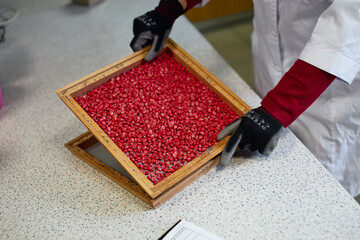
48	193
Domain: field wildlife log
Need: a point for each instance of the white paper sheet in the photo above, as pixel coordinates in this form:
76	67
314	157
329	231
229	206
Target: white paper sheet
185	230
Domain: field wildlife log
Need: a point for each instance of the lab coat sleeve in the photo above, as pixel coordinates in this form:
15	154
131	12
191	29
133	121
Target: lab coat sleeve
334	45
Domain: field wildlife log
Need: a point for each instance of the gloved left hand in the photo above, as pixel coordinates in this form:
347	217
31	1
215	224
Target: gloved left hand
255	130
259	129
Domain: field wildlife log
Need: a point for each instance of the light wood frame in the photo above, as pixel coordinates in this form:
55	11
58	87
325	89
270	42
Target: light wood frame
180	178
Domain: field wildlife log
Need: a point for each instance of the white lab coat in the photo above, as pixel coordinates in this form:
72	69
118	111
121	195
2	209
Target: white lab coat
325	34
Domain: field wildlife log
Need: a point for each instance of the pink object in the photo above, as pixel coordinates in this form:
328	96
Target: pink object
1	101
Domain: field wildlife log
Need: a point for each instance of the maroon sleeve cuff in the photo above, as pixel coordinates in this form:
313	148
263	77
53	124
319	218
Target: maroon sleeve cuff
191	4
296	91
171	9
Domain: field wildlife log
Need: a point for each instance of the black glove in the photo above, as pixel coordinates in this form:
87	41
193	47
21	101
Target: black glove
255	130
153	28
150	28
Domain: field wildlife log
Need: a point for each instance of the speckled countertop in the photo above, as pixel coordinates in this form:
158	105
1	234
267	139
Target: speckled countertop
48	193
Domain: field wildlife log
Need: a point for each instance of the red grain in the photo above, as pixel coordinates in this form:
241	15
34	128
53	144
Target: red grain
159	115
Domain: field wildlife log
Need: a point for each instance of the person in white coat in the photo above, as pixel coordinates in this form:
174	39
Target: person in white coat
306	58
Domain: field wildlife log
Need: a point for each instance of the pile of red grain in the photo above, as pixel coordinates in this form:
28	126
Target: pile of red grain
159	114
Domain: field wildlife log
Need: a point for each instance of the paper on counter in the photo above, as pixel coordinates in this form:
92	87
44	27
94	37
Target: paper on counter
185	230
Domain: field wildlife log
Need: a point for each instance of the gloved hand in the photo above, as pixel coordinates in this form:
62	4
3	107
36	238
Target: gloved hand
255	130
153	28
259	129
150	28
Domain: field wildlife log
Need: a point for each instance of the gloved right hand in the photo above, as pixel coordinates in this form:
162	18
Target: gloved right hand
153	28
150	28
